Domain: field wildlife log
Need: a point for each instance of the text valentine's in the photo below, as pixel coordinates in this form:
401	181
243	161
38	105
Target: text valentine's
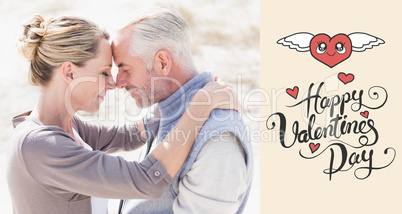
351	116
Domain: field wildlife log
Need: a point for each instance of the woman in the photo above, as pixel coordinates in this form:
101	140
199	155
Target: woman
51	167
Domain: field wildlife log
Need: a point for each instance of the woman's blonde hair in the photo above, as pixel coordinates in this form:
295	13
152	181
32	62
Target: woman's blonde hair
49	43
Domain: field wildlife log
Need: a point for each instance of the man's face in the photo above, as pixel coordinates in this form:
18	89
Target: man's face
133	74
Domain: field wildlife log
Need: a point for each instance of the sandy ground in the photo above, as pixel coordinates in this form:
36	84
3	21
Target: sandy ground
225	41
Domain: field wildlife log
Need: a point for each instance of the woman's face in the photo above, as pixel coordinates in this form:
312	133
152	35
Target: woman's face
93	80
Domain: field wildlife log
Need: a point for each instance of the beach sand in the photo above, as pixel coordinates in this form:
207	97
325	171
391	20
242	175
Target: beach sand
225	41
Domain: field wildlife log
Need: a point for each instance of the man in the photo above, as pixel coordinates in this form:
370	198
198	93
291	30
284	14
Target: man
155	66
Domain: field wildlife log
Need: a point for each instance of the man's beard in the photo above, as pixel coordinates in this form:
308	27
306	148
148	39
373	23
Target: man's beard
155	90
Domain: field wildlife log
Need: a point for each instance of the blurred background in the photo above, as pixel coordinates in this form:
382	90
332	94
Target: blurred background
225	41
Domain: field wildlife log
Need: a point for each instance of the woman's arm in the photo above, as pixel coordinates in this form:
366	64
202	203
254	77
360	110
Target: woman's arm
173	150
110	138
131	136
141	129
78	170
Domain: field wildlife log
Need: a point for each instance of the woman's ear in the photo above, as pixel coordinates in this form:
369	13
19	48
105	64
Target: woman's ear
163	62
67	71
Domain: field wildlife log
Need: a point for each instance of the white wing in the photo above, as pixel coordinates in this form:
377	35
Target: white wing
363	41
298	41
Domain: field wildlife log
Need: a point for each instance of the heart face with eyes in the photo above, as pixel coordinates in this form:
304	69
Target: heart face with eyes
331	51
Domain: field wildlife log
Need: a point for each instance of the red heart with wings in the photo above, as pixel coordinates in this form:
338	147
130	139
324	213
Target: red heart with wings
331	51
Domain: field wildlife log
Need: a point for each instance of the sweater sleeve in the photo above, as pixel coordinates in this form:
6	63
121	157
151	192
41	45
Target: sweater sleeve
216	179
59	164
109	138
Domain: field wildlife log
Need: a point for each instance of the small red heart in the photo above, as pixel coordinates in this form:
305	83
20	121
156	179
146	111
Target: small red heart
364	114
331	51
293	92
314	147
346	78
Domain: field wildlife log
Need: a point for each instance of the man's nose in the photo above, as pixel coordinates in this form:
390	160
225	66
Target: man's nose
121	80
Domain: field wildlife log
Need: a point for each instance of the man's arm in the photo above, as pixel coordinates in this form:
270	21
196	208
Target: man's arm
216	179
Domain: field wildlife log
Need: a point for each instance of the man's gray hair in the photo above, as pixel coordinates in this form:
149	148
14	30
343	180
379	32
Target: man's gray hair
158	29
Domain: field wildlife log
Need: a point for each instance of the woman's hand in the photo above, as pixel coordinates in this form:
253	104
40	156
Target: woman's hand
173	150
217	95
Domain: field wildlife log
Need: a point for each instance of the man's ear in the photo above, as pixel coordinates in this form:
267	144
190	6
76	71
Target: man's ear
66	70
163	62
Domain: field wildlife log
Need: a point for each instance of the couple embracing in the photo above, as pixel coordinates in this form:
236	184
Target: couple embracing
198	156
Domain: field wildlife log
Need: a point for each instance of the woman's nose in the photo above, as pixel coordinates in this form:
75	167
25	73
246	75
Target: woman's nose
110	85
